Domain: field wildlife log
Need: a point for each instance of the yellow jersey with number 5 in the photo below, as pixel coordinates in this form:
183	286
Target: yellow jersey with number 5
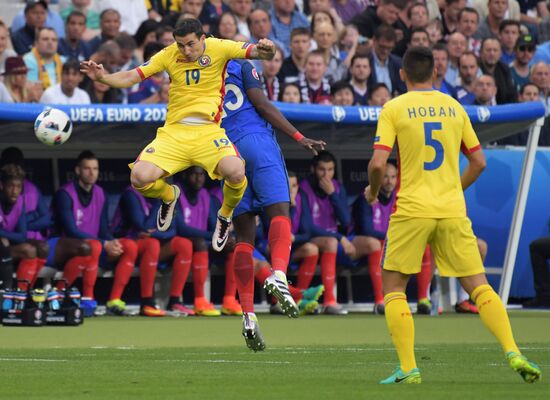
197	88
429	129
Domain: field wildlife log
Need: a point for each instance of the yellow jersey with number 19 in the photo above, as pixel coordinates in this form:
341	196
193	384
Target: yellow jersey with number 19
430	129
197	88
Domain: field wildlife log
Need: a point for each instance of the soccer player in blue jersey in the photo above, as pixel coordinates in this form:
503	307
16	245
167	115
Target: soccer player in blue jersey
249	125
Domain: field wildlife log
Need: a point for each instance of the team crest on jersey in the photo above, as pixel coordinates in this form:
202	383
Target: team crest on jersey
204	61
255	74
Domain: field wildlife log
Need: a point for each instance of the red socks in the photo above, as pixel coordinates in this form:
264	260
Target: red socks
89	275
328	275
244	275
200	272
262	274
424	278
280	241
183	249
26	270
149	251
375	273
306	271
124	267
230	284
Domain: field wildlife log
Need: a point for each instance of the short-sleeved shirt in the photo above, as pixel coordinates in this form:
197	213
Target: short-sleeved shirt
430	129
197	88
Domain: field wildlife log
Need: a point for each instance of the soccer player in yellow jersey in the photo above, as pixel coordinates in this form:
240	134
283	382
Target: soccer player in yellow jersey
430	129
192	134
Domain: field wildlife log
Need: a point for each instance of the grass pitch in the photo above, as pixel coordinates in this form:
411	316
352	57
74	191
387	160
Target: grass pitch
316	357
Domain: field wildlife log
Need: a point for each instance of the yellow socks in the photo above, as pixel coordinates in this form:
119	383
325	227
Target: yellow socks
401	327
232	195
494	316
159	189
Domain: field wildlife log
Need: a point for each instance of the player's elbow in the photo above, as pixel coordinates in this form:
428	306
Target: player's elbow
478	162
377	165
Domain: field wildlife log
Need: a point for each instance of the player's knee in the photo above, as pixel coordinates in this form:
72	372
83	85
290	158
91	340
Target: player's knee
129	247
233	171
372	245
139	178
84	249
331	245
95	247
310	249
27	251
42	249
199	244
152	244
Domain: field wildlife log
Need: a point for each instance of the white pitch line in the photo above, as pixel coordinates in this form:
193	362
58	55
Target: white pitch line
31	360
220	361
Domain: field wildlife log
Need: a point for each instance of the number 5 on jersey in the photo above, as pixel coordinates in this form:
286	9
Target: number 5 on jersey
435	144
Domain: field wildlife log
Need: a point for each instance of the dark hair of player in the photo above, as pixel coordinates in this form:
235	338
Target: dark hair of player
187	26
85	155
418	64
11	172
324	156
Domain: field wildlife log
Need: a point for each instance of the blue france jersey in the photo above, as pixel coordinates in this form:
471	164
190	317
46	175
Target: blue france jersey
241	118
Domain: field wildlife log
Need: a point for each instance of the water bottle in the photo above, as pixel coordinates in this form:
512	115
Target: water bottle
53	299
20	299
7	304
74	295
38	297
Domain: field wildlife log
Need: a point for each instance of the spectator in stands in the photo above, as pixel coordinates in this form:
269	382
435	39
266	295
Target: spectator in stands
539	251
213	10
133	13
5	52
165	36
90	14
108	54
519	68
145	34
527	92
325	37
386	13
101	93
489	60
291	94
327	200
379	94
285	18
469	70
110	28
135	220
127	46
509	32
489	27
43	61
482	8
450	16
241	9
80	210
149	90
17	88
441	61
29	257
341	94
540	76
67	92
384	65
468	22
158	9
269	77
293	65
196	220
419	37
315	89
418	16
73	46
52	18
259	23
227	26
347	9
23	38
360	71
327	17
435	30
485	91
456	45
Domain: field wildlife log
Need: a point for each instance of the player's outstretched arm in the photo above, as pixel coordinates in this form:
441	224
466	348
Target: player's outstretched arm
476	165
263	50
272	115
119	80
376	170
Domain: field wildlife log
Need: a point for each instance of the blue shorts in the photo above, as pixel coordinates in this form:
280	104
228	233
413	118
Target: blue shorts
265	171
258	256
52	242
344	260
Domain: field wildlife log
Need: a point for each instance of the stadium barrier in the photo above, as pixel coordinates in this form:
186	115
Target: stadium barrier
491	123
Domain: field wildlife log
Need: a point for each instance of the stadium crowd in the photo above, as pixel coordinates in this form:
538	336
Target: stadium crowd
340	52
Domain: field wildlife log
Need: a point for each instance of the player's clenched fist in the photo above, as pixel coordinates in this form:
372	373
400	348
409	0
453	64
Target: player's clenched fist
265	49
92	70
